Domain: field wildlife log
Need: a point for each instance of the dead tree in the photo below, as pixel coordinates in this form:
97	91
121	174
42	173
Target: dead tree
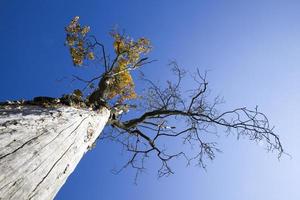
42	141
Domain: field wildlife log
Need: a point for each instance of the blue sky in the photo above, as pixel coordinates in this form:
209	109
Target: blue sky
251	49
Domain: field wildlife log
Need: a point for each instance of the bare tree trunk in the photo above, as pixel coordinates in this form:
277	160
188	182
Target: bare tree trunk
40	147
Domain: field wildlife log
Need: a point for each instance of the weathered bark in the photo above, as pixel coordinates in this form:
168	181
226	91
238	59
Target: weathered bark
40	147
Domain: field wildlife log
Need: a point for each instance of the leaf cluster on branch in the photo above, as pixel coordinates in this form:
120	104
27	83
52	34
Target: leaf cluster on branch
116	79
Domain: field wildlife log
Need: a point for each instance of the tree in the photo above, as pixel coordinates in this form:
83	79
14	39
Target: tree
43	140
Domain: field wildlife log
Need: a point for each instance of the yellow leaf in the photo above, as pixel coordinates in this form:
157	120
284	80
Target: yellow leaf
91	56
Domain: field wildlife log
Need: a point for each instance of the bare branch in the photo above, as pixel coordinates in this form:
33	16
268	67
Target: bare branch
167	119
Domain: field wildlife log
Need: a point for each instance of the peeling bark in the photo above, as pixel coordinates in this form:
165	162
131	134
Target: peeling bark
40	147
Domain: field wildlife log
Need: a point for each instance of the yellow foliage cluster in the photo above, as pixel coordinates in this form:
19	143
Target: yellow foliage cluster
129	53
129	49
129	56
75	40
122	85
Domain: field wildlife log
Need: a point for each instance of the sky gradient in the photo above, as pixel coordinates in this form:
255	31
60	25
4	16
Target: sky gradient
250	48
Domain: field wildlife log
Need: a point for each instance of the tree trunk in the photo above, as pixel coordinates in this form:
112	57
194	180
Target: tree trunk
40	147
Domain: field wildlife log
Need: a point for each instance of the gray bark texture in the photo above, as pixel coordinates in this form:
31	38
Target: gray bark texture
40	147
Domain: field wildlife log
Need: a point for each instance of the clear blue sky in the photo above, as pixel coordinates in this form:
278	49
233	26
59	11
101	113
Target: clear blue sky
252	49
